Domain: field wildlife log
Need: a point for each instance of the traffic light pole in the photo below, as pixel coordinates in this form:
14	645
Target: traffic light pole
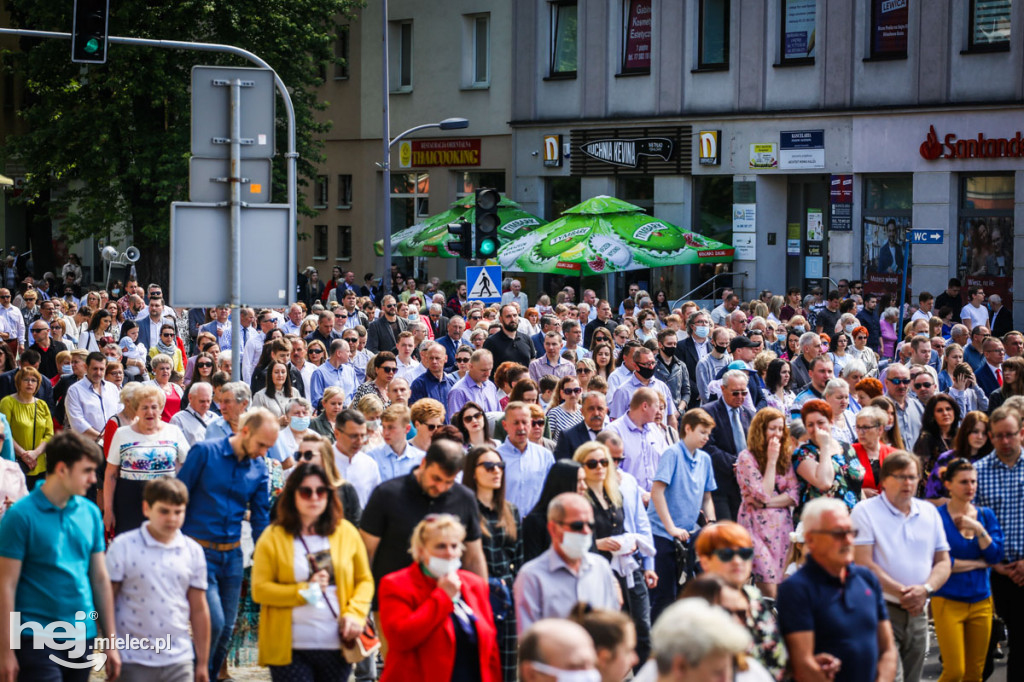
292	157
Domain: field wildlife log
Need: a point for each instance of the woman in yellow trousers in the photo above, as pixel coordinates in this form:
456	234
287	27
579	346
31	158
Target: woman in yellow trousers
962	608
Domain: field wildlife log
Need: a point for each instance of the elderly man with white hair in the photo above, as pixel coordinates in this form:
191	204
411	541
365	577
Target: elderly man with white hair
800	366
194	419
515	295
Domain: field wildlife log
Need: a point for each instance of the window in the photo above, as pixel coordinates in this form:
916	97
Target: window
889	19
344	243
638	191
320	192
344	191
989	26
985	235
401	66
469	181
479	53
410	199
564	53
341	54
563	193
798	31
637	28
319	242
713	35
888	208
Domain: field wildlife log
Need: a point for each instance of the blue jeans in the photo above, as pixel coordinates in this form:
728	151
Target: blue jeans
224	575
35	664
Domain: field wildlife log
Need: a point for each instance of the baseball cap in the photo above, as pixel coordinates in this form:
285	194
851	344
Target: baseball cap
741	342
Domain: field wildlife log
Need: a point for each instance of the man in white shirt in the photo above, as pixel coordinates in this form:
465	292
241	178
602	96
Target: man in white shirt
194	419
516	295
730	302
354	465
409	368
254	347
902	541
526	463
925	304
13	319
298	359
91	401
397	456
975	313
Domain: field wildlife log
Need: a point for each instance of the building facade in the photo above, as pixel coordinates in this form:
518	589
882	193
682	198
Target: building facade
812	135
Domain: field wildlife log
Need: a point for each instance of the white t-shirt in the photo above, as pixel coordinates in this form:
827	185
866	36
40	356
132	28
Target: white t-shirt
143	457
977	316
314	627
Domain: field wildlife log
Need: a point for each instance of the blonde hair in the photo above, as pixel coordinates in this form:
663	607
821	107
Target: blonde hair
370	405
148	391
611	481
334	476
430	525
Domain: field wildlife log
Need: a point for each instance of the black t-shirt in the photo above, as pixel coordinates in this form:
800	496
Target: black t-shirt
827	320
954	303
396	506
519	349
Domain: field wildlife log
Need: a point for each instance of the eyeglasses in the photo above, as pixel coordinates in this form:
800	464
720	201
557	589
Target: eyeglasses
431	427
729	553
538	422
40	329
838	534
315	351
645	365
472	417
899	382
737	394
461	361
577	526
926	384
866	427
584	370
573	391
491	466
594	463
307	493
308	456
202	365
390	370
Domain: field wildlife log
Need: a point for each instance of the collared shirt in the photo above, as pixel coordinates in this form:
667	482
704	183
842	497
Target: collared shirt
707	370
1001	489
547	588
251	355
54	547
640	445
155	576
687	476
616	378
466	390
342	376
580	351
15	322
392	465
361	471
85	408
525	472
409	371
217	427
221	490
306	372
904	544
359	360
542	367
910	421
634	513
154	330
618	403
192	424
427	385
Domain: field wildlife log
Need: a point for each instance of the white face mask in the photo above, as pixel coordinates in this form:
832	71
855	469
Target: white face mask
849	328
648	324
566	675
439	567
575	545
372	424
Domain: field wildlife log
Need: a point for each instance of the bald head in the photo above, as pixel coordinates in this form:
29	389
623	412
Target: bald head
554	642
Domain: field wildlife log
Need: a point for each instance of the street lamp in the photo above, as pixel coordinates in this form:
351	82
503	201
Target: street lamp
446	124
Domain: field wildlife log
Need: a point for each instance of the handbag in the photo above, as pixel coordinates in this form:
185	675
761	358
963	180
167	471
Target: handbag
501	598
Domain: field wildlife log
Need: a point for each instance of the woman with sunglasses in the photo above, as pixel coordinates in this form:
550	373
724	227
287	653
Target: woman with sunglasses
435	616
564	476
319	451
316	352
565	412
938	432
861	352
538	423
585	371
971	443
472	423
871	451
166	345
962	607
600	334
484	474
202	373
769	490
311	577
725	549
161	365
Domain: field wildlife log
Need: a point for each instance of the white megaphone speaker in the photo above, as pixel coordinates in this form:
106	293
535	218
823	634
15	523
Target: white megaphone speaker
109	253
132	254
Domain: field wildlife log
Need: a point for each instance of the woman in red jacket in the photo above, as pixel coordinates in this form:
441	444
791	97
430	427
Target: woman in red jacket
435	617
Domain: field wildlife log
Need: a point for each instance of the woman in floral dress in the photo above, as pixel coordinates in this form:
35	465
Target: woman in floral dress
824	466
770	491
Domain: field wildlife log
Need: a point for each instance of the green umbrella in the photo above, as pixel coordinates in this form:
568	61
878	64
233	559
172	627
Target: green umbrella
605	234
430	238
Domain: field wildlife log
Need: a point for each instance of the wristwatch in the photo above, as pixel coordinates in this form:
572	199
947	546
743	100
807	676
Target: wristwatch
929	589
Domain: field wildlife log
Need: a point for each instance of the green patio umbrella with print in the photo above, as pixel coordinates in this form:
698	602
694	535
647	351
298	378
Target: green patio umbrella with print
603	235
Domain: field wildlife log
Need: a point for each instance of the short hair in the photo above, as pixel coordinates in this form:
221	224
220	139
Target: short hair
820	406
397	412
852	366
559	503
693	629
875	414
255	418
169	490
446	454
426	408
899	460
834	385
818	507
150	392
809	339
154	362
434	523
998	415
641	396
696	417
346	416
96	356
298	401
68	447
818	360
239	390
25	373
30	357
734	374
722	534
606	628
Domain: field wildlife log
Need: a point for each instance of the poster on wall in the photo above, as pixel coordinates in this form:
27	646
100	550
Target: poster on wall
884	250
799	29
637	44
764	155
815	223
985	255
889	30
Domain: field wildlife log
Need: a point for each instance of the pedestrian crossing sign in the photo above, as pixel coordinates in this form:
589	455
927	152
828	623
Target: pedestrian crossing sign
484	283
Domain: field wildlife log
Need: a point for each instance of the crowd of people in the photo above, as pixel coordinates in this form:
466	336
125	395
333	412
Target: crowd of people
409	485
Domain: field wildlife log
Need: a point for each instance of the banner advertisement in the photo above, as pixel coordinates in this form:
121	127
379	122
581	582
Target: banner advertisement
638	37
985	256
799	29
889	30
882	257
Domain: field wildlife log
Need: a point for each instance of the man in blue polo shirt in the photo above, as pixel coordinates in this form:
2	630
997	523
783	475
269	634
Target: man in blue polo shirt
52	570
831	611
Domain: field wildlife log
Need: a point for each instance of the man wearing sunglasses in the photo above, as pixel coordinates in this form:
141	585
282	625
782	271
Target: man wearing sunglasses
194	419
902	540
909	412
526	463
382	333
643	377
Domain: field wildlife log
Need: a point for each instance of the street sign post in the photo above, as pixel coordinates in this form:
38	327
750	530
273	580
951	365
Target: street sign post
208	180
483	283
926	237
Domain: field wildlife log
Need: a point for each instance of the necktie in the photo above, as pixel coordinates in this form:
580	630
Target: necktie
738	431
999	376
245	336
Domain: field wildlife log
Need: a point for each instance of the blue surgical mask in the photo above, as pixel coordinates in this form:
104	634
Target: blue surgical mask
300	423
701	330
849	328
65	369
799	329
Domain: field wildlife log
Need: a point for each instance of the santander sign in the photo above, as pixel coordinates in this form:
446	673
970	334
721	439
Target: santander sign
971	148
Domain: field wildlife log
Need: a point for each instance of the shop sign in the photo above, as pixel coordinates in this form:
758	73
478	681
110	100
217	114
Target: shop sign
744	217
799	149
709	141
552	151
744	246
970	148
841	193
433	153
764	155
627	152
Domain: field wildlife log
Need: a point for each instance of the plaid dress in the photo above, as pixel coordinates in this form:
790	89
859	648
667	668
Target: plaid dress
504	558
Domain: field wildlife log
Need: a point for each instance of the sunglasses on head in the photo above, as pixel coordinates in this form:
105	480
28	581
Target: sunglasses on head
594	463
491	466
307	493
728	553
308	456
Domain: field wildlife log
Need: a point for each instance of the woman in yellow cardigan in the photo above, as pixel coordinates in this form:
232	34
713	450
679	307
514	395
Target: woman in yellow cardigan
312	579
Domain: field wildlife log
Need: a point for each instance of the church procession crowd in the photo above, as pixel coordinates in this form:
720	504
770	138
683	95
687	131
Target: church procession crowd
404	484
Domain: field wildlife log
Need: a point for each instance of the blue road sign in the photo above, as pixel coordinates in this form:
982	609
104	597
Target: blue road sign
926	236
483	283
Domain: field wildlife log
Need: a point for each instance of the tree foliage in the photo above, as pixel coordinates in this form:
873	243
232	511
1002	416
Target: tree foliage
108	145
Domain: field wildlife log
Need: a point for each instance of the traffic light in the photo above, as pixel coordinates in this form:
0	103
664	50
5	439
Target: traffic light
462	246
89	35
486	223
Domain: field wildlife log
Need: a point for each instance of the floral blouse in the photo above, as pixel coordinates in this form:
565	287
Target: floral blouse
768	648
849	475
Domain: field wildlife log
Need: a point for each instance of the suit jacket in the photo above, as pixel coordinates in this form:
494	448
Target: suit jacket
379	335
1002	322
416	621
441	328
588	331
687	352
449	347
196	319
722	448
886	260
753	386
143	325
986	378
570	439
538	343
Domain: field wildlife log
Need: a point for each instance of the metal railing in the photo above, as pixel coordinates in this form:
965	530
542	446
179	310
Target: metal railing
685	297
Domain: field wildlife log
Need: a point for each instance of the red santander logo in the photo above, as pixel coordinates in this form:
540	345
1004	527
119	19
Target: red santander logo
931	149
980	147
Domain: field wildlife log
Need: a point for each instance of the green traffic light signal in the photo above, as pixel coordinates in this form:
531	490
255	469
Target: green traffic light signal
487	247
92	46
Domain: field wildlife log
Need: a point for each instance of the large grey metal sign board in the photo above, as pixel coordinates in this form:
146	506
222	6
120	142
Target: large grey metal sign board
201	255
211	111
206	180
